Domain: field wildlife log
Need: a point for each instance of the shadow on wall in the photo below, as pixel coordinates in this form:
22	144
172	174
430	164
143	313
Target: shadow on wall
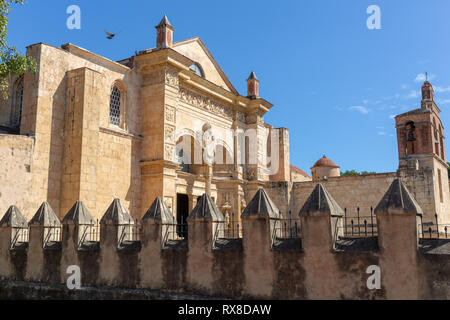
323	264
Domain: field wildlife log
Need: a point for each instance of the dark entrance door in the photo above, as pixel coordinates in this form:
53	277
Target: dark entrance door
182	214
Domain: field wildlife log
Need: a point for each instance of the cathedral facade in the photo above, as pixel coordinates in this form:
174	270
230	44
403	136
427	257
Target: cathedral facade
167	122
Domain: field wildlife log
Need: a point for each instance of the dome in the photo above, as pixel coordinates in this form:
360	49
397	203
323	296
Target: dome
325	162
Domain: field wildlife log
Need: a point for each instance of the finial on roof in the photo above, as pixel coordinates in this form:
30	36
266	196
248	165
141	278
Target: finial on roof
427	92
164	34
252	86
252	76
164	22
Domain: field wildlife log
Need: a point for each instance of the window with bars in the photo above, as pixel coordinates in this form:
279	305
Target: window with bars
114	106
16	113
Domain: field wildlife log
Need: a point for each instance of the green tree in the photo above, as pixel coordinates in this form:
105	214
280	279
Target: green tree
354	173
350	173
12	62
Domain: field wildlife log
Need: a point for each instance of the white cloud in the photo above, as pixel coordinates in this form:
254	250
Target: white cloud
421	77
365	101
424	61
361	109
413	94
388	107
441	89
444	101
404	86
392	116
382	133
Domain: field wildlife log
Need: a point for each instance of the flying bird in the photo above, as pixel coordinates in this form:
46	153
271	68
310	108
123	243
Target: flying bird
111	35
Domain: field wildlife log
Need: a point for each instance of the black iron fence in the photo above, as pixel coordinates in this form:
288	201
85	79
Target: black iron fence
90	233
232	228
131	232
20	235
286	227
359	225
176	231
52	233
434	230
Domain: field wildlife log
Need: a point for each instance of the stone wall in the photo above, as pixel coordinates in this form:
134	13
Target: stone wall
363	191
16	159
44	114
251	267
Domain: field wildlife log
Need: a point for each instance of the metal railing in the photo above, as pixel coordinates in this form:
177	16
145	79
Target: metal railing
131	232
176	231
434	230
232	229
359	226
91	233
287	228
52	234
20	235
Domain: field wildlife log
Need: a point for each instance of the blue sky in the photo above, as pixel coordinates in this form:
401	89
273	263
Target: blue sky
333	82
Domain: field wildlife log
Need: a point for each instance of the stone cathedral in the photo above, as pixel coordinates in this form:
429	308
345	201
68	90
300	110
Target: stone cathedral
167	122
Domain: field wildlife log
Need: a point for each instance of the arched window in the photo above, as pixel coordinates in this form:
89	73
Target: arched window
17	101
197	69
114	106
184	151
410	138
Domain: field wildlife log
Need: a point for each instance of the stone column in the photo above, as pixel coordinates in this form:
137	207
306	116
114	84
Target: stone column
257	222
12	226
159	94
204	225
158	227
319	220
397	215
280	163
81	132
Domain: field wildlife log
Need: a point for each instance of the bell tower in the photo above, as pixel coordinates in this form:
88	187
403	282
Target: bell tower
421	151
420	133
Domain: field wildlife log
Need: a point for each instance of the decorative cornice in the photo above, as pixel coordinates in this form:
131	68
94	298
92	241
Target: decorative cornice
83	53
205	103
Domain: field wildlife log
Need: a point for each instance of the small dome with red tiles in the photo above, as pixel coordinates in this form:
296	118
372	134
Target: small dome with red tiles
325	162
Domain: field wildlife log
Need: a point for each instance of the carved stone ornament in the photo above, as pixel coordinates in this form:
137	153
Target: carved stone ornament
207	104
